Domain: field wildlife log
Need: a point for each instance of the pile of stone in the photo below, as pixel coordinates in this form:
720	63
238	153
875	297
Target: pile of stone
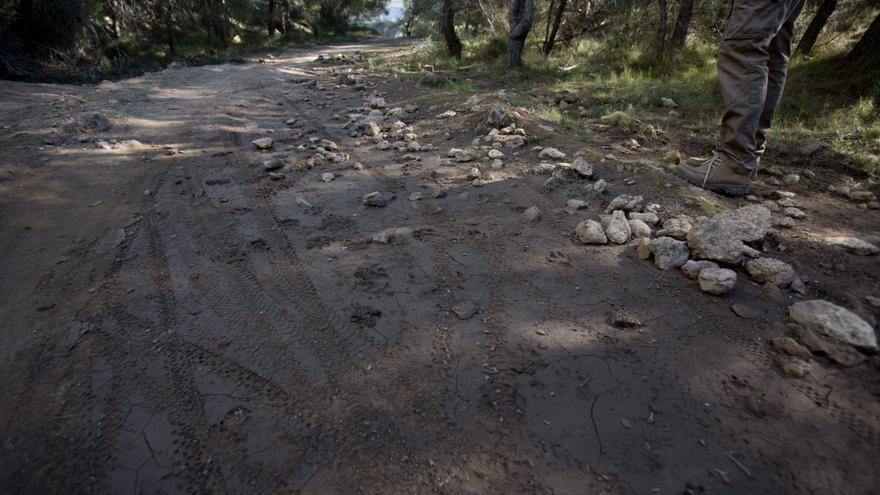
505	137
341	58
384	127
552	164
626	218
725	239
502	134
348	78
475	175
500	130
708	250
325	151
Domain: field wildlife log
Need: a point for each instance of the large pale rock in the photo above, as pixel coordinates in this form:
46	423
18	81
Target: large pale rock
717	281
771	270
692	268
834	321
853	245
371	129
576	204
669	253
793	366
376	102
591	232
639	229
263	144
375	198
583	167
625	202
648	218
618	230
462	156
722	237
795	213
551	153
531	215
511	141
676	227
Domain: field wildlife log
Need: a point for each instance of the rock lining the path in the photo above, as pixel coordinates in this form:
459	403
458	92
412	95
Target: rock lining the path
669	253
834	321
591	232
722	238
717	281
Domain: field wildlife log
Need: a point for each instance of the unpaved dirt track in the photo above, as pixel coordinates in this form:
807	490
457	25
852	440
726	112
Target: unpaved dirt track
178	323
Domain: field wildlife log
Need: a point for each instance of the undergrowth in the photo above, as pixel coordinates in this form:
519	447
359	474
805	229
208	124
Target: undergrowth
620	86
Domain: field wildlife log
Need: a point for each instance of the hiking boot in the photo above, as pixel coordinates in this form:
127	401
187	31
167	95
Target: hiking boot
697	161
718	173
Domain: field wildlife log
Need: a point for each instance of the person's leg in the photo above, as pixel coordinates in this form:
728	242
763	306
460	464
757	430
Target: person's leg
779	53
744	73
743	60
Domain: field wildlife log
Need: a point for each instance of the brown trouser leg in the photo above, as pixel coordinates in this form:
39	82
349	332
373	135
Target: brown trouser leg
752	66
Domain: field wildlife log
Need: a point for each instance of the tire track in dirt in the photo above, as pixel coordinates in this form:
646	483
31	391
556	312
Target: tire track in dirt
169	381
198	246
342	345
440	369
129	345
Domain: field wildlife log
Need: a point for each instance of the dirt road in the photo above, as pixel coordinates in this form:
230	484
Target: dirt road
176	321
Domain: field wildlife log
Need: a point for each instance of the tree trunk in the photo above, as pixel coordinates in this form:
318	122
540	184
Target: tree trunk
287	15
661	35
520	16
270	18
550	41
25	16
866	53
815	28
683	23
549	22
219	22
165	15
447	29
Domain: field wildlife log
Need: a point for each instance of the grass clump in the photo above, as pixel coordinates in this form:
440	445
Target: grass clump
553	115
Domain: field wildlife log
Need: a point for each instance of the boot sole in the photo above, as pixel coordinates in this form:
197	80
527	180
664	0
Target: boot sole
728	190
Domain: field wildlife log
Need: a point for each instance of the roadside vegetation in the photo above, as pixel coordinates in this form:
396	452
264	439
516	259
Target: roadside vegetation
625	61
88	40
621	59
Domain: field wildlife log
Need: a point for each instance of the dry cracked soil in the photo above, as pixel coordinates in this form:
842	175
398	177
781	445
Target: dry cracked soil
175	321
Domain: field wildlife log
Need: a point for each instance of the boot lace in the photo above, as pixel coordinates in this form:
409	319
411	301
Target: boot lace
713	162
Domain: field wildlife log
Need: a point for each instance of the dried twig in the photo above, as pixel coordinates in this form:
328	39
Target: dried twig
739	465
